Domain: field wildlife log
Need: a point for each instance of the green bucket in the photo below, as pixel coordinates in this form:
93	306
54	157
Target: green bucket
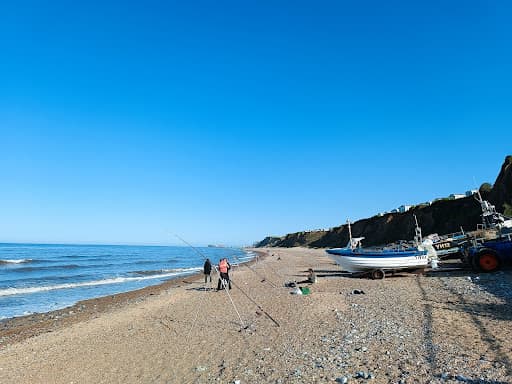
305	290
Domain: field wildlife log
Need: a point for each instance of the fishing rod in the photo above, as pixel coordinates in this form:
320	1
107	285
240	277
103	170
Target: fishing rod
237	286
222	280
255	303
256	273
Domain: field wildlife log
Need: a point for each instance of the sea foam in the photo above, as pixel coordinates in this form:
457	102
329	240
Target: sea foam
20	261
116	280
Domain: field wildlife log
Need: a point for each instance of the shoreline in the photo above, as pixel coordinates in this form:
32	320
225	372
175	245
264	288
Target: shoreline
438	327
19	328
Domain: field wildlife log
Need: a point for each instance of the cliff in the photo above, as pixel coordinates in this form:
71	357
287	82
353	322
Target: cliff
501	193
442	217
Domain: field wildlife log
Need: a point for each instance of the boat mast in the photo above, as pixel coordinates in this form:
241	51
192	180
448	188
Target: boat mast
350	235
489	215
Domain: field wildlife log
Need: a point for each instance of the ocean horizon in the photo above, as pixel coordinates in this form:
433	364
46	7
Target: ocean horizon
38	278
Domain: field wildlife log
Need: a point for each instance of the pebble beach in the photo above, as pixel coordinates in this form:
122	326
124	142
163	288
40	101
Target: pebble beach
430	327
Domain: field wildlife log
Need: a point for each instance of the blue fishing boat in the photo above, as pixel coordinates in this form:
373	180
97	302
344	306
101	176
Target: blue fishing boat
376	261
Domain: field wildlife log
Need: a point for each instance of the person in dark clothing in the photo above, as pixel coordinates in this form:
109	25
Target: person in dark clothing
312	279
312	276
207	270
224	280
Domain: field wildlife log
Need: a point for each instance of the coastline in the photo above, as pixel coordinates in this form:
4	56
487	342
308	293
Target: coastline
442	327
17	329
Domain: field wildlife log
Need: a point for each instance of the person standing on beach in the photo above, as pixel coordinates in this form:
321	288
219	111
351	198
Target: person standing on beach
207	270
224	268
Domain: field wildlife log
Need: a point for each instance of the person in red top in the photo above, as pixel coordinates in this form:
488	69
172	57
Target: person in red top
224	280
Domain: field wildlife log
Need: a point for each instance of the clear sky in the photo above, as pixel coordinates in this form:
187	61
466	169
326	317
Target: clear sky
227	121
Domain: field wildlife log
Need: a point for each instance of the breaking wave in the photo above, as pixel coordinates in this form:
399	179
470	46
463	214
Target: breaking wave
46	268
18	261
116	280
164	271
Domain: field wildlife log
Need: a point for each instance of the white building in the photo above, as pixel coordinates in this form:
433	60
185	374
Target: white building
404	208
471	192
455	196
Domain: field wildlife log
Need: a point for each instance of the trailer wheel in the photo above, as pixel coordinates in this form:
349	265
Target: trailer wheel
378	274
486	261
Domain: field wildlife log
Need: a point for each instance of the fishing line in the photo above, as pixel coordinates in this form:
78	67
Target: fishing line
237	286
256	273
224	284
273	270
255	303
196	316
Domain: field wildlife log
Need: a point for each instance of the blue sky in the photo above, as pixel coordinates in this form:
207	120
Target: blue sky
227	121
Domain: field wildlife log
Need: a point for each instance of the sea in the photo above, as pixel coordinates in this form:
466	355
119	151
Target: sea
36	278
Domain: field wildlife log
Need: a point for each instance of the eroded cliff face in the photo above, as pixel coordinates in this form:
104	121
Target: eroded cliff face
501	193
442	217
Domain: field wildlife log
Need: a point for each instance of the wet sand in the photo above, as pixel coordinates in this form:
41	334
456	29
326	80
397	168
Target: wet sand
434	327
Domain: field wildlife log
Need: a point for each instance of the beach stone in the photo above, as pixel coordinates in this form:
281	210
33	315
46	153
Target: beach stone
201	368
394	338
461	378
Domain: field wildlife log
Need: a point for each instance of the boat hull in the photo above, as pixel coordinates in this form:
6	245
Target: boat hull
360	261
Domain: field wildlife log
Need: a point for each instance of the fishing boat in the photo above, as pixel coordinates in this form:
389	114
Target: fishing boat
493	220
449	246
376	261
489	248
494	226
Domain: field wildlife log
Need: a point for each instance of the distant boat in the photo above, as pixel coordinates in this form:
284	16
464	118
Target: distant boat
376	261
